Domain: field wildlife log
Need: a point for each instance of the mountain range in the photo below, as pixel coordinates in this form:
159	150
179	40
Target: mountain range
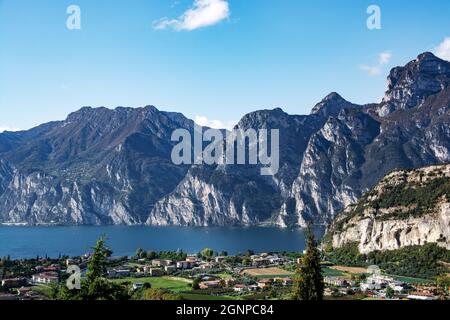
102	166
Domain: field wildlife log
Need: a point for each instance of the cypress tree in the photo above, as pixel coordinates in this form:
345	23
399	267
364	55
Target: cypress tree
309	283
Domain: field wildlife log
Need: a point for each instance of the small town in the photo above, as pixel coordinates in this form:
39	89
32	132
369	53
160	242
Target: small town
210	275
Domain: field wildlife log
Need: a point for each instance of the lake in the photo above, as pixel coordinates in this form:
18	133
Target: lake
28	242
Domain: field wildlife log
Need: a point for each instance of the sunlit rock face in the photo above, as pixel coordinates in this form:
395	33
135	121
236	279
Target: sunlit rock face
377	227
411	85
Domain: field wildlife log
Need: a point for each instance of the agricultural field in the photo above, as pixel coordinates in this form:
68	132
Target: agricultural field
411	280
170	283
268	273
350	270
329	272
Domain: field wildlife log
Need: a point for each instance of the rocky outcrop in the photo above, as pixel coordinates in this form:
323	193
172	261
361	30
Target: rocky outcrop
407	208
411	85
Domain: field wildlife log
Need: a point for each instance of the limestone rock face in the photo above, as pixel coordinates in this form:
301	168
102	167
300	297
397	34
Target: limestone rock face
419	213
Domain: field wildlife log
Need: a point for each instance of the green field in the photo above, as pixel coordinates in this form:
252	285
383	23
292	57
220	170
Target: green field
43	289
169	283
328	272
413	280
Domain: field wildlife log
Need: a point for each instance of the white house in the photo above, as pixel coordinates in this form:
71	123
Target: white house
45	278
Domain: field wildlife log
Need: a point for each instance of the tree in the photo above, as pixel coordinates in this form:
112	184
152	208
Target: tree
207	253
141	254
159	294
95	286
246	261
389	293
98	262
223	254
443	285
309	283
196	283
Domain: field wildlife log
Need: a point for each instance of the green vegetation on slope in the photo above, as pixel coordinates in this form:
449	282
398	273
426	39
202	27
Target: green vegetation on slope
413	261
422	197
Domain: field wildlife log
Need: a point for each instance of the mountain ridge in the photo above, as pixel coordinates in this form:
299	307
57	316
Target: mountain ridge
103	166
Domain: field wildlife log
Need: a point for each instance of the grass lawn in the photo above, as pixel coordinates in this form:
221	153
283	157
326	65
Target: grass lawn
169	283
42	289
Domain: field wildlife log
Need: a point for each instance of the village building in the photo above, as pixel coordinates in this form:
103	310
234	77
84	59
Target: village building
220	259
335	281
14	283
209	284
170	269
119	273
421	296
265	283
240	288
161	262
156	272
185	265
45	278
192	259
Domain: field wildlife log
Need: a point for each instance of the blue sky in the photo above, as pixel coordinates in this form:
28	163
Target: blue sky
233	57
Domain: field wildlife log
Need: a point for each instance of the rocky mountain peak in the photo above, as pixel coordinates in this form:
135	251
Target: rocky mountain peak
331	105
269	118
411	85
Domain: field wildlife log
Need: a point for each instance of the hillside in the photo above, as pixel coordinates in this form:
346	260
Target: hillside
407	208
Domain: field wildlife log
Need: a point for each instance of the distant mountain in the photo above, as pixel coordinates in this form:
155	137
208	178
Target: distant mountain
103	166
99	166
407	208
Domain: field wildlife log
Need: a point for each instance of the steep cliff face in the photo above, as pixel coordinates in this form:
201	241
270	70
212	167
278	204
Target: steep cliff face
99	166
114	166
406	208
238	194
330	173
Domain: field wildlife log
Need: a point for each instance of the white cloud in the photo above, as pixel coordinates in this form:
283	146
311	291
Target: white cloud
383	59
215	124
203	13
443	50
6	128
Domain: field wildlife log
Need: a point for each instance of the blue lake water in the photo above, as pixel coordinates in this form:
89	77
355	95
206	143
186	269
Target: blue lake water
28	242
